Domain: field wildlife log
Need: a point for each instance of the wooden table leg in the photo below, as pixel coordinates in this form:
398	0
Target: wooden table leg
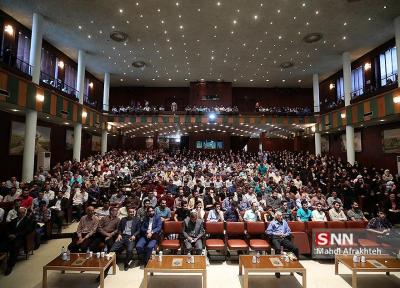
388	273
246	279
44	282
205	279
336	266
145	279
304	279
102	279
240	267
114	265
354	280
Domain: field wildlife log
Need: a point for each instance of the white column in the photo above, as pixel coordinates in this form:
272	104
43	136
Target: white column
36	46
397	36
351	156
347	77
106	92
316	92
28	160
317	138
103	142
77	142
350	144
80	78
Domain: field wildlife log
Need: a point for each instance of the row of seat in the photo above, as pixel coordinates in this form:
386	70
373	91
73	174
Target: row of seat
243	236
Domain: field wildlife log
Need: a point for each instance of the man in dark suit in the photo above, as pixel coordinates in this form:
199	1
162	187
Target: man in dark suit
149	231
18	229
128	231
193	233
58	207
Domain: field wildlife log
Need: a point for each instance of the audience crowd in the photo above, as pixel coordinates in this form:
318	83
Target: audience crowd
121	199
283	110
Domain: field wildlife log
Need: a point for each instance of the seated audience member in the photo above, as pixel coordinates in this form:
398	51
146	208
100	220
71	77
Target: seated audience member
169	200
18	228
58	207
280	234
48	193
180	199
392	206
12	195
319	198
128	233
182	213
336	212
304	214
193	233
380	224
84	234
199	209
152	199
13	213
117	198
37	200
142	211
123	211
150	229
232	214
42	216
106	231
78	201
216	214
318	214
104	210
355	213
193	200
269	214
333	199
286	211
273	200
252	214
226	203
163	211
26	199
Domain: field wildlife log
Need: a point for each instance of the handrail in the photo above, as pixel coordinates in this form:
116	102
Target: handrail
8	58
58	84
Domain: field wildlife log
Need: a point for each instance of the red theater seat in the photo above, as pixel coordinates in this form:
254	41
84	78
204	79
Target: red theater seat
256	235
171	227
300	237
215	236
336	225
235	235
356	224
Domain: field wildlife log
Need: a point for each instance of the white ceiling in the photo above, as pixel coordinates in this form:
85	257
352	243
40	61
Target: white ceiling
239	41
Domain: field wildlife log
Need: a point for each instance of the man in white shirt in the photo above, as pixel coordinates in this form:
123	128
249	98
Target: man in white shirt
318	214
297	182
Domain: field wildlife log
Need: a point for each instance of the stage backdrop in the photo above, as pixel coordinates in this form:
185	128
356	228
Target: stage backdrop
17	138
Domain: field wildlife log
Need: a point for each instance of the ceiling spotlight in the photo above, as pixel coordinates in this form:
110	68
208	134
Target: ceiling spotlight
312	37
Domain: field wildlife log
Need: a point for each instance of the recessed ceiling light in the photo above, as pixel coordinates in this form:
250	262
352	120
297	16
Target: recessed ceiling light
79	27
255	17
344	37
234	21
218	3
121	10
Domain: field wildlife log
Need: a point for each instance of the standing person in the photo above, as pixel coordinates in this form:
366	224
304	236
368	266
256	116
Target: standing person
149	235
128	232
193	233
280	234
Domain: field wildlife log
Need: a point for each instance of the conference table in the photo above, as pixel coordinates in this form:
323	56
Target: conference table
79	262
268	264
373	264
176	264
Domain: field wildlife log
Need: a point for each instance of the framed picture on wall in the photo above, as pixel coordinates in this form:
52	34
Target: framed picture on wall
17	138
391	141
96	143
357	142
324	144
69	140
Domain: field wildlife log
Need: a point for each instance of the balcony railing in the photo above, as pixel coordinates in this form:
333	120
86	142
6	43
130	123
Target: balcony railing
10	60
59	85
